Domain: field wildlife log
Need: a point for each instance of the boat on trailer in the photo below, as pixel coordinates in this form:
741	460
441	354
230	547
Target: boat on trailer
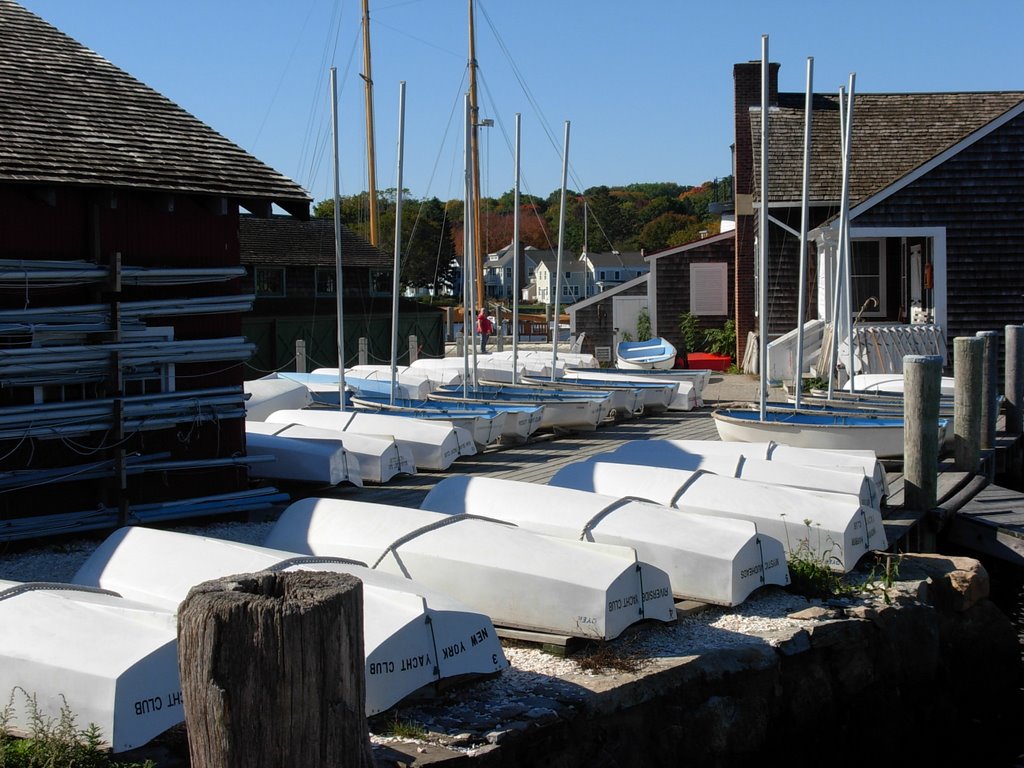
835	529
520	579
653	353
413	636
710	559
110	661
519	422
379	457
656	453
434	446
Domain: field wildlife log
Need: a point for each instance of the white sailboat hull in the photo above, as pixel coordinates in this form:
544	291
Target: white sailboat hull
684	396
520	579
379	457
713	560
886	442
301	460
405	625
111	661
662	453
622	402
271	394
840	530
433	446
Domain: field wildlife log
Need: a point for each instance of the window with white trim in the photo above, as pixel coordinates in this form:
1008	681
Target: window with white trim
867	277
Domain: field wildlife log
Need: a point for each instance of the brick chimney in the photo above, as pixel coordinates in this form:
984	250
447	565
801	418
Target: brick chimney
747	94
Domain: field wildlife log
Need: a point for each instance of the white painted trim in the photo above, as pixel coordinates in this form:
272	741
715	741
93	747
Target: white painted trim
936	161
605	294
727	235
652	299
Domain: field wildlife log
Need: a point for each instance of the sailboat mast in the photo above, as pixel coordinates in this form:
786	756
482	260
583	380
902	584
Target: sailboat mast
371	153
337	243
762	236
395	282
515	259
804	223
561	250
474	144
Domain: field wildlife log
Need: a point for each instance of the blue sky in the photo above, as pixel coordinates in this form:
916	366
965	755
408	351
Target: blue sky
647	85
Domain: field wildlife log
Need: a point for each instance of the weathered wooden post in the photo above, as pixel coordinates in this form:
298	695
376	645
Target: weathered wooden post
449	331
1013	389
364	350
498	330
968	364
414	349
300	355
923	380
989	376
272	671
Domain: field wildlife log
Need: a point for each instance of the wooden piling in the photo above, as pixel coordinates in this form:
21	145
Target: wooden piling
364	350
272	671
414	349
922	386
300	355
968	366
1013	389
989	391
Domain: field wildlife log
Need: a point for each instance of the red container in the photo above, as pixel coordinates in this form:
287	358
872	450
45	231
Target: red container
707	360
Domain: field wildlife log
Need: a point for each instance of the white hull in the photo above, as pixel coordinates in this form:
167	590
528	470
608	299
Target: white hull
886	442
271	394
518	578
575	414
301	460
489	367
434	376
709	559
111	661
840	530
622	402
655	354
433	446
892	383
662	453
485	428
405	625
379	457
373	382
685	396
698	377
569	359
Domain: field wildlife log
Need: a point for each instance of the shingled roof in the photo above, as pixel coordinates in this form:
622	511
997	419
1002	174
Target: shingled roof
284	241
893	134
69	116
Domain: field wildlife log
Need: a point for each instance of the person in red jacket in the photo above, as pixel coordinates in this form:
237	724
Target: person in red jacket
485	328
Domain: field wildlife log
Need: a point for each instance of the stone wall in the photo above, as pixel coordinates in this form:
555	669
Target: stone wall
930	674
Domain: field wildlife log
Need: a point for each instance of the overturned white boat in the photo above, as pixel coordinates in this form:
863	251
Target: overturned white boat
269	394
662	453
306	461
835	529
485	425
517	422
433	446
488	366
412	635
711	559
379	457
520	579
110	661
857	461
568	359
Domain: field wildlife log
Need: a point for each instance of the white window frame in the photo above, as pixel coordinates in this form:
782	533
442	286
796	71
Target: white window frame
881	310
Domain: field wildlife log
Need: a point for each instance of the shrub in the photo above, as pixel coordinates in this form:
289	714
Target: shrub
722	341
643	325
689	327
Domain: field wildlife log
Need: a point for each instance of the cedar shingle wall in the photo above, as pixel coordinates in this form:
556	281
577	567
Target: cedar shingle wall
673	280
978	196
